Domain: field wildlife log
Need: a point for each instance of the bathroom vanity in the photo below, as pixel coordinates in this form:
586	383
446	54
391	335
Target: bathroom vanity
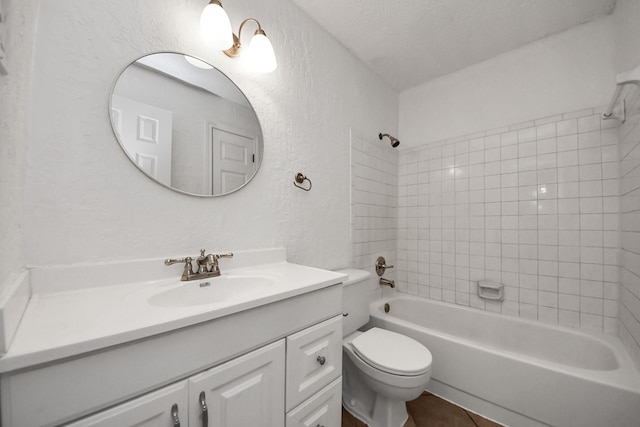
123	354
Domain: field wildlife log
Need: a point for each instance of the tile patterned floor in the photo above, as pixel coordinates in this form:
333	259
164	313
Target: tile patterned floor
431	411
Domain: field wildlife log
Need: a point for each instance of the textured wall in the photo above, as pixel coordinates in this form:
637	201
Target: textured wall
569	71
14	93
626	16
86	202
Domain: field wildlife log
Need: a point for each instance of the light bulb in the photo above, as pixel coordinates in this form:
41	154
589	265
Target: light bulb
262	57
215	27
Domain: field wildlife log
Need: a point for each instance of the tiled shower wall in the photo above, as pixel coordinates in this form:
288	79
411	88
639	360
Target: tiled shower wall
374	201
533	206
629	134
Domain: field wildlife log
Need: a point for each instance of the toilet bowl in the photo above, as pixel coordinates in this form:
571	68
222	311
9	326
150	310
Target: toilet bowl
382	370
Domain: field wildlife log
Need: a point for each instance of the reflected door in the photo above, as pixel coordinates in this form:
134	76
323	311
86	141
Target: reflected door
145	131
233	158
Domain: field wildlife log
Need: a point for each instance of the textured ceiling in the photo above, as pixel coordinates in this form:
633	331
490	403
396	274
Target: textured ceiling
409	42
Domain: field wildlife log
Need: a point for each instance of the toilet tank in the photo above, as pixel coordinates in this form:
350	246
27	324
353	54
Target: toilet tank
355	300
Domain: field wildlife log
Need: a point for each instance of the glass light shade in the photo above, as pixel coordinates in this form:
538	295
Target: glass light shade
261	55
215	27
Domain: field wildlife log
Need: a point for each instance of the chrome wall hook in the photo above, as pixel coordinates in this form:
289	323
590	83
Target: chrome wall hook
300	178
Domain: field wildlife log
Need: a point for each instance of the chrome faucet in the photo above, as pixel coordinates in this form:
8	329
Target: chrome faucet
207	265
387	282
381	266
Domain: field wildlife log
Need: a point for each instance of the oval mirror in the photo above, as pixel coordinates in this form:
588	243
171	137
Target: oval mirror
186	125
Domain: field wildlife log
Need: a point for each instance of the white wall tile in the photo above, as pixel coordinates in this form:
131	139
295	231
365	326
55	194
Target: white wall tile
629	241
534	208
589	123
567	127
377	191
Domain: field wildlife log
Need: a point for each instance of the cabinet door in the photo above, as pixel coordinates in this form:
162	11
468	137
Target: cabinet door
321	410
166	407
314	359
244	392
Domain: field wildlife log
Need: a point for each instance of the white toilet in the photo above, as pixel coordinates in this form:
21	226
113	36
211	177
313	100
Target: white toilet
382	370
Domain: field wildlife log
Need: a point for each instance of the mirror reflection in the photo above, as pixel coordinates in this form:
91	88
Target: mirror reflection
186	125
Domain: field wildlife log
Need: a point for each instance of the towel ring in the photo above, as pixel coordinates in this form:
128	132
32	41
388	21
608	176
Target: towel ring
300	178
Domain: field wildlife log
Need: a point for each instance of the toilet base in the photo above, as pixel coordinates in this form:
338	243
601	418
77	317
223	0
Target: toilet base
374	409
385	414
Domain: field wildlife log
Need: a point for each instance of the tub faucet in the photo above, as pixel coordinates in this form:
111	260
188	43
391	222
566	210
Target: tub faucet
207	265
387	282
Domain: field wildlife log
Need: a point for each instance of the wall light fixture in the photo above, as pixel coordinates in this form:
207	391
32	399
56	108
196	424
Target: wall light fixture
215	28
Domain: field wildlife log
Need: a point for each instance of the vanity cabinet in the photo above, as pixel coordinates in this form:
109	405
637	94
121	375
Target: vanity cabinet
263	366
249	390
246	391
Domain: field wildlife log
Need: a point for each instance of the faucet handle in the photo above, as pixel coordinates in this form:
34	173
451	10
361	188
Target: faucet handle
381	266
215	269
171	261
188	267
229	255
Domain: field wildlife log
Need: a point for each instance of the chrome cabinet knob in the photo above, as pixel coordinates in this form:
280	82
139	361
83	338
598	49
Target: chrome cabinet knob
321	360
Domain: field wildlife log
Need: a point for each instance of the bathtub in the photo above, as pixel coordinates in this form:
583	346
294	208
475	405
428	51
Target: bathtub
518	372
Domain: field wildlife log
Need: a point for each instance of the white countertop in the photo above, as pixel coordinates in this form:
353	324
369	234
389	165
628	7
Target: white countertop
61	324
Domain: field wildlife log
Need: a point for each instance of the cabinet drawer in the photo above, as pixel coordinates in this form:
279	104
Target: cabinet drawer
324	409
314	359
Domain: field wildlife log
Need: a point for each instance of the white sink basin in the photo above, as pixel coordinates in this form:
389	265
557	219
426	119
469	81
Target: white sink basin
211	291
136	300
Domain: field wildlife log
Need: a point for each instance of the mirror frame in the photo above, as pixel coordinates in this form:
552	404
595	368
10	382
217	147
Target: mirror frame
120	143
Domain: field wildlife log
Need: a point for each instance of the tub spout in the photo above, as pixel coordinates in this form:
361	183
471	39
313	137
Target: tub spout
387	282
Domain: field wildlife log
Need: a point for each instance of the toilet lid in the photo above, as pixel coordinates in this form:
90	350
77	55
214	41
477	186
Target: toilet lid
392	352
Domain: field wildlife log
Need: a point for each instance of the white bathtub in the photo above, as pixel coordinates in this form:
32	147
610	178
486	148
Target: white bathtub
519	372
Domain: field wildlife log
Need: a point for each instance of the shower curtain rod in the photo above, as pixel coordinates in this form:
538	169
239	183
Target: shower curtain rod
623	79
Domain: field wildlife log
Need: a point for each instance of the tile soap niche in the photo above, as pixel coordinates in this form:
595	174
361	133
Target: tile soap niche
492	291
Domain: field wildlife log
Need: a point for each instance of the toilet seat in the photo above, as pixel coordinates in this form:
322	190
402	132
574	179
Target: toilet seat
392	352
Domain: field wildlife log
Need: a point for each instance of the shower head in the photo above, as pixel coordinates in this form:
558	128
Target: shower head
394	141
